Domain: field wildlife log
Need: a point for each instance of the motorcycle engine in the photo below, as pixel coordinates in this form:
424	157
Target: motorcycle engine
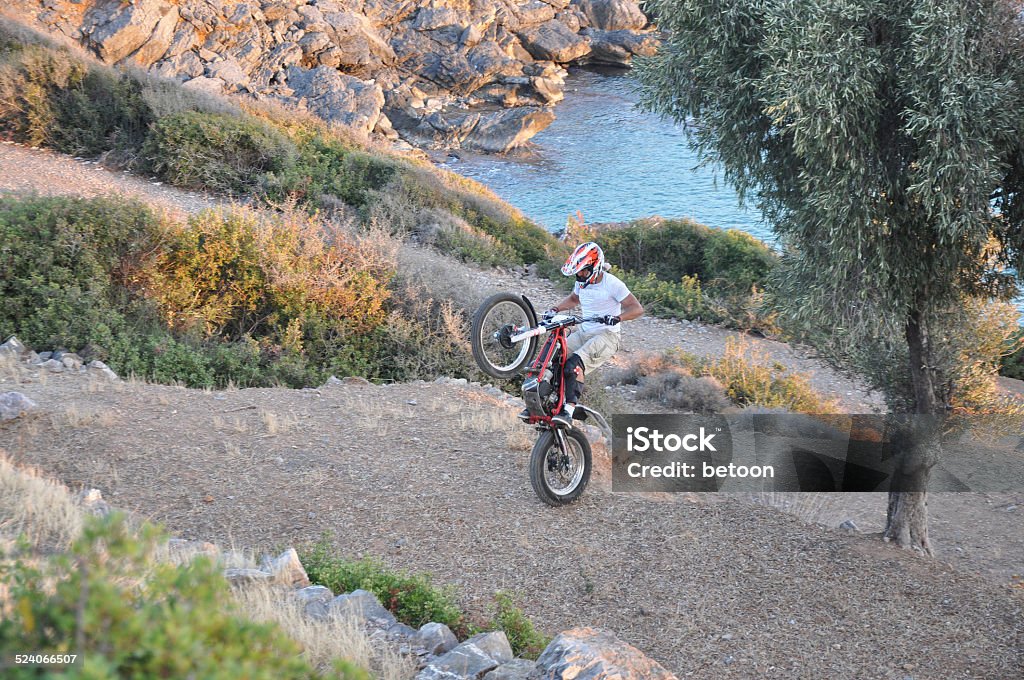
536	391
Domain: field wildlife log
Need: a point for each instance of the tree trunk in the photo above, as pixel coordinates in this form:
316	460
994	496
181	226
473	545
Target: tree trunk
917	446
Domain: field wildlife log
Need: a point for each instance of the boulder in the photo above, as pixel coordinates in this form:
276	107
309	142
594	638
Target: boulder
14	348
617	48
364	607
52	365
504	130
553	41
238	576
612	15
181	67
103	370
516	669
213	86
286	569
229	72
127	28
358	41
14	405
533	13
314	594
159	40
595	654
436	638
471	660
338	98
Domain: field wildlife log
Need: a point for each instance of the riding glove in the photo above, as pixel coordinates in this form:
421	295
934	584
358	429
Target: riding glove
609	320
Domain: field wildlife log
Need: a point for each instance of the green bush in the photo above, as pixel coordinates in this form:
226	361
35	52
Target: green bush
217	152
50	97
526	641
126	616
682	298
1012	364
412	598
415	600
727	260
62	265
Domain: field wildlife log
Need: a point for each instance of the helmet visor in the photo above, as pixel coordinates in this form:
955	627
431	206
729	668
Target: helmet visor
584	274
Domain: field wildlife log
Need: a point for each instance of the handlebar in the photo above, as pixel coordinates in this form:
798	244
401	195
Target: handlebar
557	321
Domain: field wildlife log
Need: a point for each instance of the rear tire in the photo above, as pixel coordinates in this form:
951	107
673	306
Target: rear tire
566	482
497	311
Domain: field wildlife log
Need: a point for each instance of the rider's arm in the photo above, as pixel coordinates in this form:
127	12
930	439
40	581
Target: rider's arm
568	302
631	308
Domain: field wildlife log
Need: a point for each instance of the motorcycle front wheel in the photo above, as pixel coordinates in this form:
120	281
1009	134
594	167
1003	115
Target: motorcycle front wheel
499	317
559	472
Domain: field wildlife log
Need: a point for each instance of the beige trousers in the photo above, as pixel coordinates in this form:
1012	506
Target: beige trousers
593	347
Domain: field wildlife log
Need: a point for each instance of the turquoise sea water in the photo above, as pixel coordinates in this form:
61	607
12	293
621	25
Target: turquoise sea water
611	162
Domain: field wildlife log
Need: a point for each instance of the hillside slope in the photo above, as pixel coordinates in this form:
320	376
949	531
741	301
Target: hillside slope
433	477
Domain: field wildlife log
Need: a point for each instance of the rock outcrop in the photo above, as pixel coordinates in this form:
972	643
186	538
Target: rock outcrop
447	73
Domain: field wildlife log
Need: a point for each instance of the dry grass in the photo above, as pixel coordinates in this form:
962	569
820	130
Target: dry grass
277	424
79	416
321	641
36	506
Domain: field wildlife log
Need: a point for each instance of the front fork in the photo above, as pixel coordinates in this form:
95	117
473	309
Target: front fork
563	448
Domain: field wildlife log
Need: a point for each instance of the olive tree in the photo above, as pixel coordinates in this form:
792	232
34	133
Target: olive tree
883	143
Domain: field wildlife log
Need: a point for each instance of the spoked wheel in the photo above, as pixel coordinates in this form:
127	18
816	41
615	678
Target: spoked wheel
499	318
560	466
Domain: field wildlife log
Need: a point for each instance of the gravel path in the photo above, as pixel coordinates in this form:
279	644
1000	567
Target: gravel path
25	170
433	478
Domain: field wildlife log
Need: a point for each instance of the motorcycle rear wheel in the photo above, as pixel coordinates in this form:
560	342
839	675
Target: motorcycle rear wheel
496	316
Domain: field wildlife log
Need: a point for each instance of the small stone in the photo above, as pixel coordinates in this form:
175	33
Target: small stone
53	366
849	525
14	405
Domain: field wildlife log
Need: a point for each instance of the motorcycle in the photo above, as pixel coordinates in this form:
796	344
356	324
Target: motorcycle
505	336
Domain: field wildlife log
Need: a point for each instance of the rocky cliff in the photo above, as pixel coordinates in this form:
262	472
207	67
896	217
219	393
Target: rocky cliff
479	74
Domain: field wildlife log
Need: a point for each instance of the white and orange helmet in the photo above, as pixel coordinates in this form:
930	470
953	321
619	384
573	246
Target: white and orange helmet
586	263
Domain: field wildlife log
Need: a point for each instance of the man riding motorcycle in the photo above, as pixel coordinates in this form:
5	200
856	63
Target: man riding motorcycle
599	293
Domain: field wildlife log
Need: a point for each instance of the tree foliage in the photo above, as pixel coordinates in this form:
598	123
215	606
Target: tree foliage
883	141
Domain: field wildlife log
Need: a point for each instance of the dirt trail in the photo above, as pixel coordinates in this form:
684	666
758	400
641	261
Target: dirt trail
34	170
433	477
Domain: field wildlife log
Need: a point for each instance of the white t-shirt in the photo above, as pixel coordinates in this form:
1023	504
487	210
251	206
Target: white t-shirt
602	298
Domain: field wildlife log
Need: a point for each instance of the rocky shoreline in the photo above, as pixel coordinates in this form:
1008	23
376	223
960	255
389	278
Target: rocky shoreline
474	74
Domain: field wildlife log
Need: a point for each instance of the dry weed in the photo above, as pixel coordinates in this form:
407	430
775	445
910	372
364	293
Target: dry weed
76	416
322	641
275	424
37	506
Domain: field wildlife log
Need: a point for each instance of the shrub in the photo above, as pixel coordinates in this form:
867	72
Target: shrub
679	390
51	97
415	600
750	379
1012	363
526	641
746	376
235	273
217	152
62	265
412	598
682	298
126	616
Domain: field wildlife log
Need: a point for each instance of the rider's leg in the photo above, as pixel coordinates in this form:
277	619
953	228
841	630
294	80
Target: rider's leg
596	349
